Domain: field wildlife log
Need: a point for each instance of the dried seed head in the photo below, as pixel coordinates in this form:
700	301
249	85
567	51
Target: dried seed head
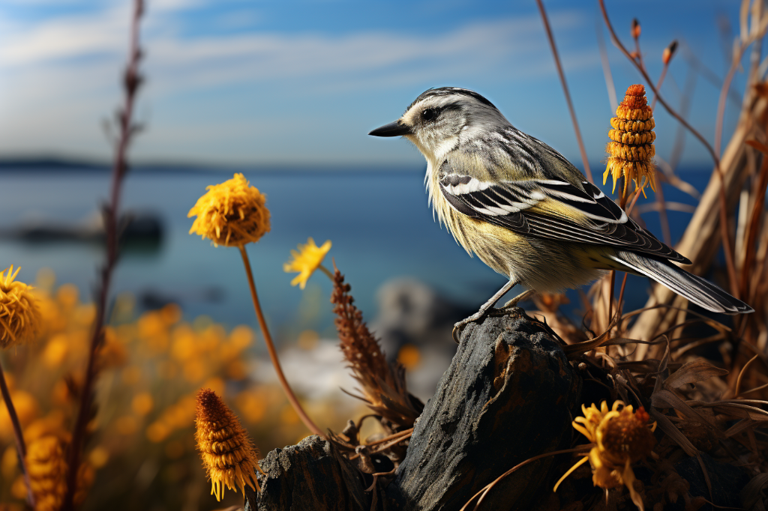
229	457
631	150
47	467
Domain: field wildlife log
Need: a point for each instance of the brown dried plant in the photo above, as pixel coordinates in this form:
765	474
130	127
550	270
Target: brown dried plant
703	380
382	383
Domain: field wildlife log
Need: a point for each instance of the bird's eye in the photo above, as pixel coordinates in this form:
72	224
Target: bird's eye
429	114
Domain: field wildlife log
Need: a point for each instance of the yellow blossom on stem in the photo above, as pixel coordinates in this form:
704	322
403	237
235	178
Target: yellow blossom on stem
231	213
620	438
229	457
20	318
306	261
631	151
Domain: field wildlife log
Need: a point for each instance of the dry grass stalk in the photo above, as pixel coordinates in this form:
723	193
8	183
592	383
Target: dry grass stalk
382	383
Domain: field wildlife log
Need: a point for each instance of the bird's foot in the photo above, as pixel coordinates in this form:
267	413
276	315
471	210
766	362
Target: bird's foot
458	327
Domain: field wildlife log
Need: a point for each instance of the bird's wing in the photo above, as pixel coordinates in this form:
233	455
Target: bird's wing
551	209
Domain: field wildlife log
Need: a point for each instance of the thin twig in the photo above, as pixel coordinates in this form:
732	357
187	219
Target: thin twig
273	353
583	151
18	436
131	82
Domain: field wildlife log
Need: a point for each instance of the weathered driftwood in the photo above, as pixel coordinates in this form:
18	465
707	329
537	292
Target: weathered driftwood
507	396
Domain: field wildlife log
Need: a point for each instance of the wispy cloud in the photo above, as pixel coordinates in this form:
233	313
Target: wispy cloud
60	74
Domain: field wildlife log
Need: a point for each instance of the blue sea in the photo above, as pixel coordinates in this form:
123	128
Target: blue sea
378	220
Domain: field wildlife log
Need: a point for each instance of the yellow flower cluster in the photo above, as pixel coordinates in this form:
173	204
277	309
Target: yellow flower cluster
631	151
19	312
229	457
231	213
621	438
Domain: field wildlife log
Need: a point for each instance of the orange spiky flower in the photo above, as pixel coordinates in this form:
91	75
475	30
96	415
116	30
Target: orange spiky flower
631	151
383	384
229	456
620	438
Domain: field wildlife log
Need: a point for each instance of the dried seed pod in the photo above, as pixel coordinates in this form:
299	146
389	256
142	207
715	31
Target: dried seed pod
631	150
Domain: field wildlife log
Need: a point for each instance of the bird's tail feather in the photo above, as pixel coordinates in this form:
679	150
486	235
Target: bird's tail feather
696	289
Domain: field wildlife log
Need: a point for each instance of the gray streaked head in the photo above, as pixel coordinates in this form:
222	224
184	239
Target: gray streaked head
439	119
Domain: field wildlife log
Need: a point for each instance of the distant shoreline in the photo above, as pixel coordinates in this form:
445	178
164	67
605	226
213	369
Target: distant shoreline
53	163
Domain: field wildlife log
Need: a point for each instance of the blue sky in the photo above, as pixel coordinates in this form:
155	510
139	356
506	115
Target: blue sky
302	82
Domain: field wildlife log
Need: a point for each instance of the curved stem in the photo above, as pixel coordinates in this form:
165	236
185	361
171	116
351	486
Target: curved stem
273	353
21	447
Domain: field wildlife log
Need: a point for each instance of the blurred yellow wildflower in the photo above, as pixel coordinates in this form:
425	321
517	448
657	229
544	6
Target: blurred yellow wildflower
228	455
47	472
621	438
306	261
142	403
231	213
409	356
20	319
27	410
631	151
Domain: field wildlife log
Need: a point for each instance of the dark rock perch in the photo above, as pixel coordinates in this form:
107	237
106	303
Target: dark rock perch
310	476
507	396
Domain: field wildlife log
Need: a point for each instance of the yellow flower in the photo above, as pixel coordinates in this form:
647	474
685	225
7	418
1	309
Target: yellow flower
306	261
231	213
228	455
631	150
20	318
620	438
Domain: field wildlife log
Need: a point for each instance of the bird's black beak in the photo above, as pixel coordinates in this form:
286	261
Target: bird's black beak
393	129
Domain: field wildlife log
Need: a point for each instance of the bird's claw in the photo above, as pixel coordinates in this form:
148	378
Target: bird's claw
458	327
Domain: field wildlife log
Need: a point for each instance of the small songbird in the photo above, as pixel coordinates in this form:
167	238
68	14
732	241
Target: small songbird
526	211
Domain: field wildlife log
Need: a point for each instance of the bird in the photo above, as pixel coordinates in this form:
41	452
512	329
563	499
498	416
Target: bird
526	211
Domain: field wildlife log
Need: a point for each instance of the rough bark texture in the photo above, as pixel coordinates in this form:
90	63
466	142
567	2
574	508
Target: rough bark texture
506	397
310	476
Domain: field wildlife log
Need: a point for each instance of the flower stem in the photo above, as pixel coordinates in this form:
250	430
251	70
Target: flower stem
21	447
326	271
273	353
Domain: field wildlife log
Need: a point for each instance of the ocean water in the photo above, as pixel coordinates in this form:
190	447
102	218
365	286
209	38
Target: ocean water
379	222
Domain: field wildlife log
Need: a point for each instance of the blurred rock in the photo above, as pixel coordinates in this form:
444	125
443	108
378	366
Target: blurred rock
412	313
316	374
143	231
